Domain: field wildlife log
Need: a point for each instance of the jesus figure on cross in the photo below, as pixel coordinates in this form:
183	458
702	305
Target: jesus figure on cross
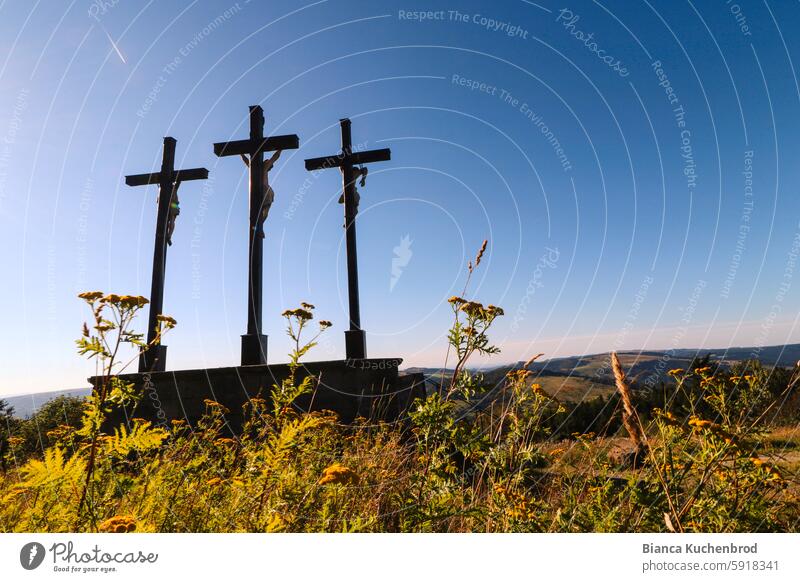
360	172
269	194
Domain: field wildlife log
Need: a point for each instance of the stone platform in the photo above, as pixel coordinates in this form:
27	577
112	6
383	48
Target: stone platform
369	388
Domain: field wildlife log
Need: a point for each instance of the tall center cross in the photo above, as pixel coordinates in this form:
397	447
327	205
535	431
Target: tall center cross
254	343
355	340
154	359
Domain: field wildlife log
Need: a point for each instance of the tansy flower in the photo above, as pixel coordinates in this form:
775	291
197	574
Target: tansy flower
307	306
213	404
494	311
167	320
703	370
112	298
303	314
325	324
338	473
91	295
131	301
118	524
472	308
675	372
699	424
454	300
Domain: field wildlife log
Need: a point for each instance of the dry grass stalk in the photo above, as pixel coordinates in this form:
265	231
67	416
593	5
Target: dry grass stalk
629	417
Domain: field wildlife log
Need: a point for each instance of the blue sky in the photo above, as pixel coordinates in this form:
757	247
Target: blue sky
632	164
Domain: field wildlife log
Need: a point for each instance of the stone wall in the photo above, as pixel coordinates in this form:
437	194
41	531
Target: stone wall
370	388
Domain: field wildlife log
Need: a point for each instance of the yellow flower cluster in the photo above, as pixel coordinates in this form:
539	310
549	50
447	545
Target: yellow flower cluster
338	473
475	309
90	296
131	301
213	405
302	314
126	301
772	472
715	429
167	320
518	506
118	524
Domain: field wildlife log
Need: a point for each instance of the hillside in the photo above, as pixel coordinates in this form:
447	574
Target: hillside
576	378
26	404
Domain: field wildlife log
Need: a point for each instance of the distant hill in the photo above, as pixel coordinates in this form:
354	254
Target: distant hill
577	378
25	405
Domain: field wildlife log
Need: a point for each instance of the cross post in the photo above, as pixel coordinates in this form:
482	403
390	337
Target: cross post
154	359
354	338
254	343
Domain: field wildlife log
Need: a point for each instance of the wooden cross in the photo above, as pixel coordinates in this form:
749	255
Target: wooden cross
154	359
254	343
355	340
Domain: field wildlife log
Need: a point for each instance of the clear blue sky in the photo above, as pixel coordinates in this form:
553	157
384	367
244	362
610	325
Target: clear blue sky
616	218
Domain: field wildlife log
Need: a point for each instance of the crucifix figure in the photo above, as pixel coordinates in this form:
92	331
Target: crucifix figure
254	343
269	193
154	359
346	160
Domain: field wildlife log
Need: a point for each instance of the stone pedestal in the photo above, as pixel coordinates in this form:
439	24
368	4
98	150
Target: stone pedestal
369	388
254	349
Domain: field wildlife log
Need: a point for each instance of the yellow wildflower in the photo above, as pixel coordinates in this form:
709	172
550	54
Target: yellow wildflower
91	295
494	311
131	301
338	473
118	524
472	308
167	320
214	405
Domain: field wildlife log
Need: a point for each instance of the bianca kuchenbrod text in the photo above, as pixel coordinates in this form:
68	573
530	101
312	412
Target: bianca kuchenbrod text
707	548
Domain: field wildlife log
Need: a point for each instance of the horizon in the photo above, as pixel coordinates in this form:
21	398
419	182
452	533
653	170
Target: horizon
642	204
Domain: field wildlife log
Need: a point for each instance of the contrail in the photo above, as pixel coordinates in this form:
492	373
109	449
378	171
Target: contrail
111	40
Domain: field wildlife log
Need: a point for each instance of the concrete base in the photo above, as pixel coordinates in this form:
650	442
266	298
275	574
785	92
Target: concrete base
369	388
254	350
355	344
